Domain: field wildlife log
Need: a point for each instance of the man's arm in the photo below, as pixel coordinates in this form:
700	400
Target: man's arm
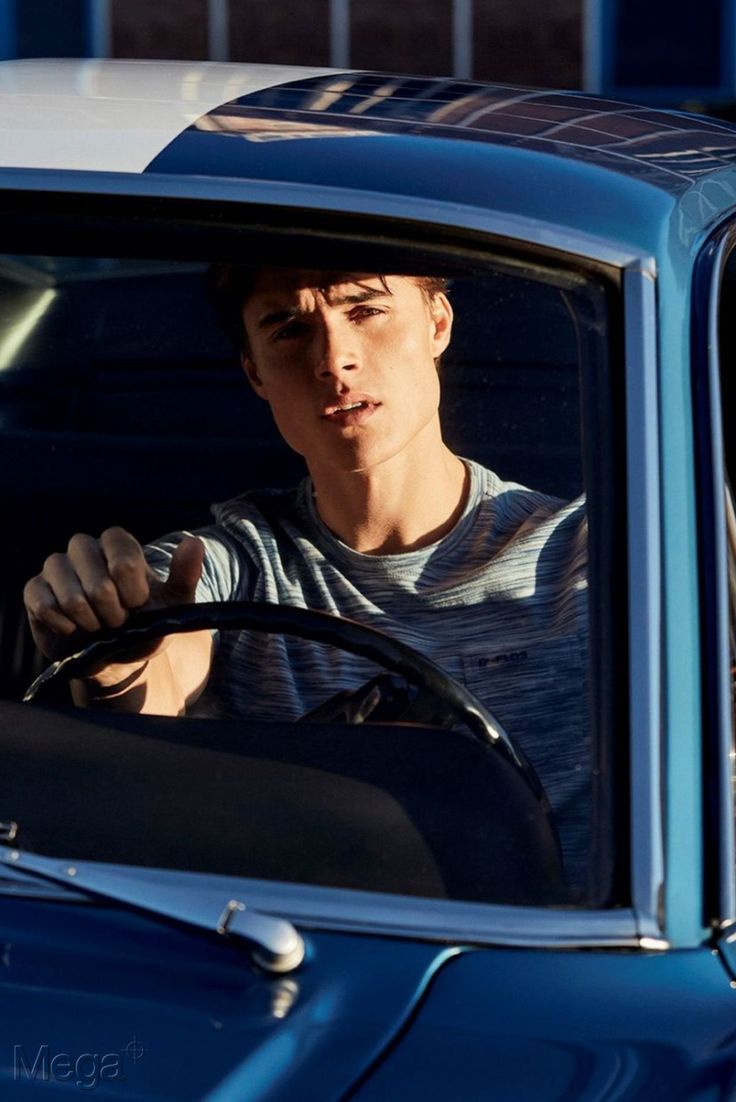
98	583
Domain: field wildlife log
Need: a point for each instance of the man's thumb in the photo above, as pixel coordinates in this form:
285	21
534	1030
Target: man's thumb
184	572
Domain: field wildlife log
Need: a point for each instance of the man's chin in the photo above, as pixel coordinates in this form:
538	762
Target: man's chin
355	461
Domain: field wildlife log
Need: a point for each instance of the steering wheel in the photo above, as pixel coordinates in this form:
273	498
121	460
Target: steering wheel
440	699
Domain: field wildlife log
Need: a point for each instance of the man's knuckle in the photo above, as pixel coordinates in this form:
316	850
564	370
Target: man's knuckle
31	588
125	568
74	604
103	592
54	561
35	603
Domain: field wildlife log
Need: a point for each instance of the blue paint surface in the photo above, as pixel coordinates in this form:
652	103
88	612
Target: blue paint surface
514	1026
623	173
168	1015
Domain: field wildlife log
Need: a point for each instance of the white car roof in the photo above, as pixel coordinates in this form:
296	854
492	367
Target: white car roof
114	116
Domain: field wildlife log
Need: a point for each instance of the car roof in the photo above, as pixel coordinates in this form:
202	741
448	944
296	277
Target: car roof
112	116
438	138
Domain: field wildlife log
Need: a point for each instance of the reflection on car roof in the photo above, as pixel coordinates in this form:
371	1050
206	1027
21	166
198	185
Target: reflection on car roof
665	148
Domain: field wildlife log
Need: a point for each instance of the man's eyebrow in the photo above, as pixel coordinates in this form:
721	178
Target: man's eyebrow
277	317
360	296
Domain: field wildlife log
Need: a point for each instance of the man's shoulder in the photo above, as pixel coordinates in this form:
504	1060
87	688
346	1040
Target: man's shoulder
513	503
256	510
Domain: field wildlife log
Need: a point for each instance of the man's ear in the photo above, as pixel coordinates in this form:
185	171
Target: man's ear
442	317
252	375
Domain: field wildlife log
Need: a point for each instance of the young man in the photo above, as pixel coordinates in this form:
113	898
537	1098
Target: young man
391	529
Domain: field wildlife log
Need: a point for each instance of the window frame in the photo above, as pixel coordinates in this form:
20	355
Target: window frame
628	923
719	825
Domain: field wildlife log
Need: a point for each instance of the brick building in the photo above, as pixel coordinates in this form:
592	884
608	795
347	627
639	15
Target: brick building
518	41
666	51
510	42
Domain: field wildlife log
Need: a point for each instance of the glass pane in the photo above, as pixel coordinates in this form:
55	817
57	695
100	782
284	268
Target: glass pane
462	534
726	349
731	534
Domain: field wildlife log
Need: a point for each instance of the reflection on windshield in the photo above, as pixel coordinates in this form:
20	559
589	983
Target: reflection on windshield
133	413
731	549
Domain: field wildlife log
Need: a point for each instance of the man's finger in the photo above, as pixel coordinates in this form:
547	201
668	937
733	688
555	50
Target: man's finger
43	609
63	582
84	558
126	565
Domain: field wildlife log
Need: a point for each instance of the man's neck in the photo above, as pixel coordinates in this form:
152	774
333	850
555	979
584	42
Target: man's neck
395	507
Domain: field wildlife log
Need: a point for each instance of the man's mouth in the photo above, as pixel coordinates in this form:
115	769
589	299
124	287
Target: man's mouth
336	411
341	410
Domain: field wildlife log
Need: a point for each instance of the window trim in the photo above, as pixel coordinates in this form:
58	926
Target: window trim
719	840
645	614
510	925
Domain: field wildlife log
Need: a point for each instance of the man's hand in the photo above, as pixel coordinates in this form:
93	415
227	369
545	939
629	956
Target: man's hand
98	583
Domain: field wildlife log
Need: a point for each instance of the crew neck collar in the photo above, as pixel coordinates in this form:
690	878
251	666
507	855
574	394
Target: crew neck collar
443	545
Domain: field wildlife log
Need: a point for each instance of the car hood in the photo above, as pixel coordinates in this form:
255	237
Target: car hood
107	1000
110	1000
517	1025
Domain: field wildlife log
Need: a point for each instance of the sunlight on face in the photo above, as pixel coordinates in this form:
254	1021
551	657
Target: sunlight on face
348	367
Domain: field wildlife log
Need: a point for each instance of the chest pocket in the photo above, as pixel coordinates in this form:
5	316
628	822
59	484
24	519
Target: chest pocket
524	681
539	694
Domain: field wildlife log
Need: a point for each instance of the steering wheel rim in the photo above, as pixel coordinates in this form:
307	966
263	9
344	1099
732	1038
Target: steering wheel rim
320	627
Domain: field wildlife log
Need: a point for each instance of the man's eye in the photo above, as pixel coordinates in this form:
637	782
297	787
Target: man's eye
362	312
290	331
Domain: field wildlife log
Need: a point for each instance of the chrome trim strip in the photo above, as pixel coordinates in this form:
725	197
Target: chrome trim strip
645	612
725	783
388	915
448	920
405	207
22	885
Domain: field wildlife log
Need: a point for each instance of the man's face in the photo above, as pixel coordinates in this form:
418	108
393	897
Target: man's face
348	368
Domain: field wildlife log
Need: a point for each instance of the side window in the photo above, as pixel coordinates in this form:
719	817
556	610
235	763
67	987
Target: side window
730	507
728	398
115	377
731	550
727	389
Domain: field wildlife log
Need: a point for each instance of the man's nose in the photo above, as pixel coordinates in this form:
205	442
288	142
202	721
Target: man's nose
337	352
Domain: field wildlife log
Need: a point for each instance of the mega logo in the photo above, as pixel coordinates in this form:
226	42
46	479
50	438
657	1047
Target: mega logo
85	1069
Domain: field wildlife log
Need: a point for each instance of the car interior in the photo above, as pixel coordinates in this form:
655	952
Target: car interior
123	402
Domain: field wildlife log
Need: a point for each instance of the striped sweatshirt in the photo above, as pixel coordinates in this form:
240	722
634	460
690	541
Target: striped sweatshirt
500	602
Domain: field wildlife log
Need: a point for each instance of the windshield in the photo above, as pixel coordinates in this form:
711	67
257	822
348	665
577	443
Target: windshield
402	451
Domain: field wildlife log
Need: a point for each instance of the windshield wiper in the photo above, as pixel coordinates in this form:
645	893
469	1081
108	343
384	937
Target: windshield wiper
274	944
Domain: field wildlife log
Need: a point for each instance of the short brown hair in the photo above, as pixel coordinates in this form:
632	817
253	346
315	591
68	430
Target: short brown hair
231	284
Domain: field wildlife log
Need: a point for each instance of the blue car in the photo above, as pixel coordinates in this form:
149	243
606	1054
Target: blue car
484	870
